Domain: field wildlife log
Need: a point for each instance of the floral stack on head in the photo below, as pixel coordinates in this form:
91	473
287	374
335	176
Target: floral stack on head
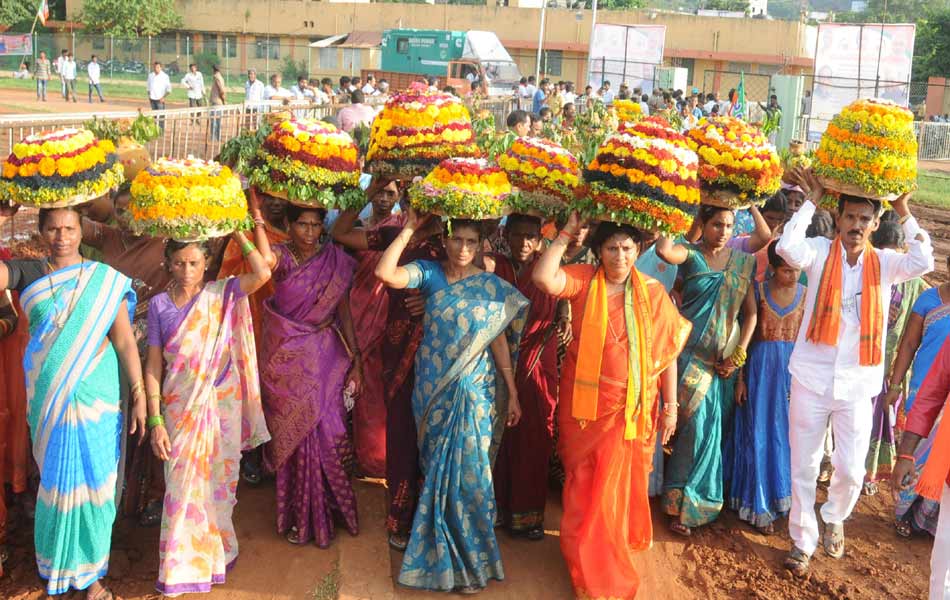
187	200
309	163
418	129
463	188
60	168
738	167
869	150
645	176
628	112
547	176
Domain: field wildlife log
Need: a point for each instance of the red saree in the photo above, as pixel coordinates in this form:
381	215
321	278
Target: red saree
606	509
233	264
369	305
520	475
14	434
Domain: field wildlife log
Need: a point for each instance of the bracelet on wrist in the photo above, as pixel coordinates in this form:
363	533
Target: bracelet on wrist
909	457
155	421
247	248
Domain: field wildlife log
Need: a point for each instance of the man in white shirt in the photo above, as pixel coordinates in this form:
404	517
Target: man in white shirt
837	380
531	88
253	89
69	76
275	91
159	86
94	71
567	94
370	88
302	90
607	94
194	83
58	65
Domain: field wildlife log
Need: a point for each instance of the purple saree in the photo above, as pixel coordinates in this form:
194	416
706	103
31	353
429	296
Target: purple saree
304	367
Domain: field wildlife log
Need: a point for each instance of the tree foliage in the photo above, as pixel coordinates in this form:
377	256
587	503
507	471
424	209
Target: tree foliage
13	12
130	18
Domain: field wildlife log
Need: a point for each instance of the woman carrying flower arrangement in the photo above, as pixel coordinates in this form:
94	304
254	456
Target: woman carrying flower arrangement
626	336
464	345
204	407
310	356
717	287
397	349
79	313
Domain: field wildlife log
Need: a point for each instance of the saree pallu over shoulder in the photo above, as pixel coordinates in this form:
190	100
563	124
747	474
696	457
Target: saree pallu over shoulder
304	356
72	383
213	411
711	302
452	542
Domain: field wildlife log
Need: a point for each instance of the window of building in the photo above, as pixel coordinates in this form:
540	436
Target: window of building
209	43
328	58
351	60
167	44
267	48
737	67
551	62
98	43
230	46
402	45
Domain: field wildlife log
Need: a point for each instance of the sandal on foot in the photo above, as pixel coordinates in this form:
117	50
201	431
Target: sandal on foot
535	534
293	536
824	476
833	540
468	590
870	488
678	528
104	593
250	472
903	529
766	529
152	515
797	562
398	542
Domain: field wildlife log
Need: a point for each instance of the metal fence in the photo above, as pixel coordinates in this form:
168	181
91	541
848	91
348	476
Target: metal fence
198	132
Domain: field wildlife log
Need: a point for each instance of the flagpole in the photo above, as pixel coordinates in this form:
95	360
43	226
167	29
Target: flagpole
36	17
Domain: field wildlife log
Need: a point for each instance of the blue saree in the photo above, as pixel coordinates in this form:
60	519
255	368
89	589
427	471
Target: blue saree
693	486
452	542
72	387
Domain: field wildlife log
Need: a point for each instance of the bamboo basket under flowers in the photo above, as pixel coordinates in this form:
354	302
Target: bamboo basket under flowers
60	168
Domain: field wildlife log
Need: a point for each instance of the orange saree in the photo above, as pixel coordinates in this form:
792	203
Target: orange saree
233	264
606	509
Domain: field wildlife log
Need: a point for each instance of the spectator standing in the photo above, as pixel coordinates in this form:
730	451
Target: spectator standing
218	98
694	107
253	90
568	96
275	90
607	94
69	77
42	74
326	86
383	90
302	90
370	88
194	82
644	107
540	96
357	113
711	101
531	88
159	86
343	94
523	88
59	71
94	71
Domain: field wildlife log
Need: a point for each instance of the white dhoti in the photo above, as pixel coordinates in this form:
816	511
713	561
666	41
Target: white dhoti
940	557
851	422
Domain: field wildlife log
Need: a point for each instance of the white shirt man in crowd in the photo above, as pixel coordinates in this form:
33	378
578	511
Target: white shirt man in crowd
58	65
159	86
302	90
253	90
567	94
69	76
94	71
275	90
370	88
607	94
194	83
834	381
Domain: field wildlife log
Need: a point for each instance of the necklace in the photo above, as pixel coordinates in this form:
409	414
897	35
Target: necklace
295	252
59	318
173	288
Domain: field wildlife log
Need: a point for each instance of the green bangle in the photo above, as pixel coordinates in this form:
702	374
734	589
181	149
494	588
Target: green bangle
155	421
247	248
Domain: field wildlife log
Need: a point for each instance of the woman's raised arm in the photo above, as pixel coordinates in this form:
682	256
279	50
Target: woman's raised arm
387	269
547	274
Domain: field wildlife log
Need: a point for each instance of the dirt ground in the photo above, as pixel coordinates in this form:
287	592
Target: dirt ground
15	101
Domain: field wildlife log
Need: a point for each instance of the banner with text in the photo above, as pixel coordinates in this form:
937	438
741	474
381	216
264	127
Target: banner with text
16	44
626	54
859	61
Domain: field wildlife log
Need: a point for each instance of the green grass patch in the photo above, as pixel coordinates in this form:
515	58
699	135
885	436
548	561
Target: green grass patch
116	90
329	587
933	189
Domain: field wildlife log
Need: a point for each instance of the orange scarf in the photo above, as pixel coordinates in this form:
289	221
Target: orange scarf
937	468
826	317
638	416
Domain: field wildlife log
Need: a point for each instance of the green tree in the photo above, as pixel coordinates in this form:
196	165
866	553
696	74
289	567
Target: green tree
125	18
14	12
